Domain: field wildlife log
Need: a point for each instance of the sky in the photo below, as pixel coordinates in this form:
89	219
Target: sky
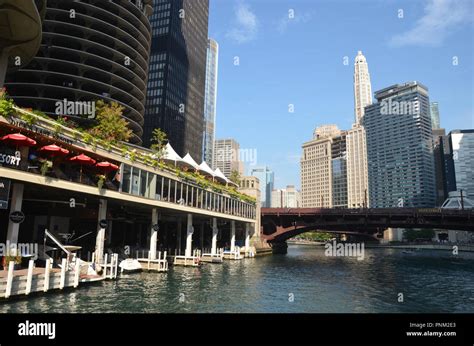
271	64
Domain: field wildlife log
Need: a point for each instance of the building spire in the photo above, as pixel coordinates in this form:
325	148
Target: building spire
362	86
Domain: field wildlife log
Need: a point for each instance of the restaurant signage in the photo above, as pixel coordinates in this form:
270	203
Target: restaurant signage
4	192
11	160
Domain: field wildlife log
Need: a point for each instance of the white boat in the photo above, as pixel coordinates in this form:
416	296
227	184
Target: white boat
130	265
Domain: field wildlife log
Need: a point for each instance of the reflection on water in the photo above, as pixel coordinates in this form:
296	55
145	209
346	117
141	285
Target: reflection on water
430	282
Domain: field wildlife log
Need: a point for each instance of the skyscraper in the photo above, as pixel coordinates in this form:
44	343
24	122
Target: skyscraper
323	173
357	178
176	83
400	148
266	179
226	156
210	101
462	146
434	112
362	86
103	53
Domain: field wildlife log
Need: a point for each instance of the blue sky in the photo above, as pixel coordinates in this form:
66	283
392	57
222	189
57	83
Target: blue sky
300	62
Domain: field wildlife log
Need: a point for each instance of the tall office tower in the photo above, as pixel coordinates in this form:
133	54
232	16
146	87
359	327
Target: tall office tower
101	53
440	145
400	148
339	170
266	178
434	112
317	168
357	177
461	143
286	198
227	156
210	101
362	86
176	83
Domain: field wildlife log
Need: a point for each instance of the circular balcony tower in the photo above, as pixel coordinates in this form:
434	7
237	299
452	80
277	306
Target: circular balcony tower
90	50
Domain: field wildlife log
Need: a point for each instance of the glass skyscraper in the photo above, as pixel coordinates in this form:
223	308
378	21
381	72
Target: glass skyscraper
400	148
266	178
176	79
434	112
461	143
210	102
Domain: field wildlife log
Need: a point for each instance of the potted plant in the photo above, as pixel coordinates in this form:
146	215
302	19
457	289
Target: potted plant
101	181
10	258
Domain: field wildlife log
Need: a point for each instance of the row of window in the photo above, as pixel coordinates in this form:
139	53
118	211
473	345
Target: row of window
142	183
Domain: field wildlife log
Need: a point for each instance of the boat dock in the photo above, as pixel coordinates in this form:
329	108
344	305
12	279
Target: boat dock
22	282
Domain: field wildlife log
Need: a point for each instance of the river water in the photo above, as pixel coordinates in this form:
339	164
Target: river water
304	280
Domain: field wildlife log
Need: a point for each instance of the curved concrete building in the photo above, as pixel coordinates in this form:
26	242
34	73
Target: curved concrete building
90	50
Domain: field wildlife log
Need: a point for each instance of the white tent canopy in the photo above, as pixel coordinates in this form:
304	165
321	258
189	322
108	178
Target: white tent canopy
204	167
218	173
190	161
170	155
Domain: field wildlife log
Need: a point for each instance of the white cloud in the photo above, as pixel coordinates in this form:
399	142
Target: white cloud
441	17
286	20
246	24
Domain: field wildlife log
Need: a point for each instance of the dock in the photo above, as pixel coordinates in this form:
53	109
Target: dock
22	282
159	264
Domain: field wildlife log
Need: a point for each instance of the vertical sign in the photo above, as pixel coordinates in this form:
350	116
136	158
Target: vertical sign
4	192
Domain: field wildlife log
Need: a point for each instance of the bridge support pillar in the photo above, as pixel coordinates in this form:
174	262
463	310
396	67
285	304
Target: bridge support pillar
100	239
280	248
232	236
215	231
153	233
189	236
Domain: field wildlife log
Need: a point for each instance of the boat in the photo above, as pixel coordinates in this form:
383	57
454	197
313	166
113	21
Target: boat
130	265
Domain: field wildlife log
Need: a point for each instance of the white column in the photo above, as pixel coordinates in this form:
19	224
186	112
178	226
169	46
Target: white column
154	233
247	237
99	242
232	236
17	201
215	231
189	236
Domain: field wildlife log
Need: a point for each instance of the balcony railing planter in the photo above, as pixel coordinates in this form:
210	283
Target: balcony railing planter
8	110
101	181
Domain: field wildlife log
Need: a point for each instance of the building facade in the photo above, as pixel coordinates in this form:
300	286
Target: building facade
103	53
434	112
227	156
317	169
461	143
176	83
400	148
210	101
339	170
266	178
286	198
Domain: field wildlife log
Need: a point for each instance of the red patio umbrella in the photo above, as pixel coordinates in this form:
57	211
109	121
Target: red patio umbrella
107	166
83	160
19	140
54	150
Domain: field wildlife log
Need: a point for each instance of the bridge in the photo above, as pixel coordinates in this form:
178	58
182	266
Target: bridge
280	224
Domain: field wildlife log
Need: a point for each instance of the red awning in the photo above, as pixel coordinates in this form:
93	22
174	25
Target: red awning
19	140
83	160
